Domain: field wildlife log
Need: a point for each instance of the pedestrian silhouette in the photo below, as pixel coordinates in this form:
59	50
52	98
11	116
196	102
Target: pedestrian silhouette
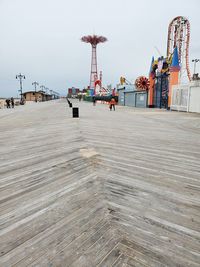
112	104
12	102
94	101
8	103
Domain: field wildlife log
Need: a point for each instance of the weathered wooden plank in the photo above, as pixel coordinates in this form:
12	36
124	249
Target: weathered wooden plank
65	237
95	253
109	189
110	258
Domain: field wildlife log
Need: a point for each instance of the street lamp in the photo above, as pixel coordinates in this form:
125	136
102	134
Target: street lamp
195	62
20	77
42	87
35	85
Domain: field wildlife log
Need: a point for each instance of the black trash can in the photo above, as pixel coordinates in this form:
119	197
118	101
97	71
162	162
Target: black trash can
75	112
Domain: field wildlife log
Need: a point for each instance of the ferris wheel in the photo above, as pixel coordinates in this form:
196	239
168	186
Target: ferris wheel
179	36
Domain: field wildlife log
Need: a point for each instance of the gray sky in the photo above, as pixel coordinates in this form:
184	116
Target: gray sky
41	39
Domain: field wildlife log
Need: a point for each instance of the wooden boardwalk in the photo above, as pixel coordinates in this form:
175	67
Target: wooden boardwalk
109	189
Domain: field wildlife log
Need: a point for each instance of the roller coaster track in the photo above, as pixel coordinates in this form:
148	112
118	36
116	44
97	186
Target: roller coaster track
179	35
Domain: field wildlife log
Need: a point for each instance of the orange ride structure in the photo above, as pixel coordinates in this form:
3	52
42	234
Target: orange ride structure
94	40
172	69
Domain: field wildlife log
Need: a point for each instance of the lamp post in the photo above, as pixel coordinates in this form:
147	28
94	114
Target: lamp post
53	94
46	93
51	97
20	77
35	85
42	87
195	62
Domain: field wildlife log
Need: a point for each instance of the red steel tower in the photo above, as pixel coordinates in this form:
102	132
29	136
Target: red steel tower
94	40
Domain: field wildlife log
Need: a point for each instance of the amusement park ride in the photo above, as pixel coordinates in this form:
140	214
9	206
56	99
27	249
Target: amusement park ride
179	36
164	71
174	68
96	87
94	40
170	70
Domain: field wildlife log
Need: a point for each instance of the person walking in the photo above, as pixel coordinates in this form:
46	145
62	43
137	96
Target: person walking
12	102
112	104
80	97
8	103
94	101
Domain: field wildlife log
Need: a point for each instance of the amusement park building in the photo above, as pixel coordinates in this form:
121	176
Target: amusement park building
165	90
36	96
128	95
73	92
186	97
39	96
170	83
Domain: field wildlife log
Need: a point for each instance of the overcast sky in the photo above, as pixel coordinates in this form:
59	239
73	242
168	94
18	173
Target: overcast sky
41	39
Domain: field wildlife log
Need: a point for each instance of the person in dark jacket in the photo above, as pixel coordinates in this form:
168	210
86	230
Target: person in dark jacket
8	103
94	101
12	102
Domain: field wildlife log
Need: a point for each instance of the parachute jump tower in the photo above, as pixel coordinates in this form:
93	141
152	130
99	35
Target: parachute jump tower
94	40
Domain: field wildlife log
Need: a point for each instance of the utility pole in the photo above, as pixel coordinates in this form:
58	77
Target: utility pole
195	62
46	94
20	77
42	87
35	85
53	95
43	95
